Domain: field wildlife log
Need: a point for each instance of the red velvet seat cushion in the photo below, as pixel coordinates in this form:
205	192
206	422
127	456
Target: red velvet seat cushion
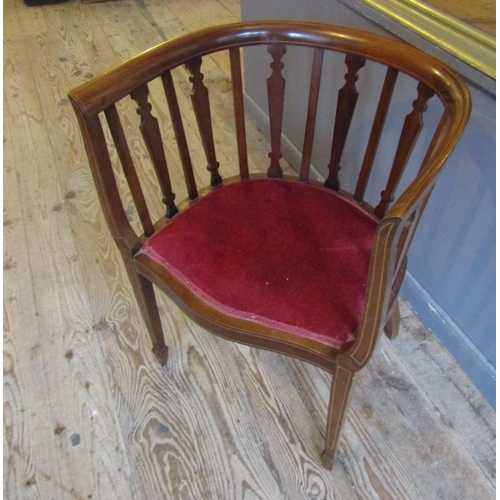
284	254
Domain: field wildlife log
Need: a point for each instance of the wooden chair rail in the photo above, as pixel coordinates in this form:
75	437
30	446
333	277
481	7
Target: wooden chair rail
376	132
239	111
180	135
98	94
346	104
317	68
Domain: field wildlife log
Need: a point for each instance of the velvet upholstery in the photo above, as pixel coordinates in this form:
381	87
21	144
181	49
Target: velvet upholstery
285	254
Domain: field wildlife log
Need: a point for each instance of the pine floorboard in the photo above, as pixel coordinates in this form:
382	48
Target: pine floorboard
88	413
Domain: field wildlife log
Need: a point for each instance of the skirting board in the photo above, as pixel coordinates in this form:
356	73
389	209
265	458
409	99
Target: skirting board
474	364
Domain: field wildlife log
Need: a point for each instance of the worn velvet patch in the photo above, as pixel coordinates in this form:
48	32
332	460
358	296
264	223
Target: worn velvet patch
284	254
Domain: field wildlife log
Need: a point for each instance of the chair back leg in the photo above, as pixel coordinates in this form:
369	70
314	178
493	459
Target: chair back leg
340	393
391	328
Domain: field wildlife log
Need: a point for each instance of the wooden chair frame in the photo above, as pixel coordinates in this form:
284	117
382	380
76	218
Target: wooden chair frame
398	219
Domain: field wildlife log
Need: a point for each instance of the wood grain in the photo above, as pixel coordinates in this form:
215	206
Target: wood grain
77	357
55	441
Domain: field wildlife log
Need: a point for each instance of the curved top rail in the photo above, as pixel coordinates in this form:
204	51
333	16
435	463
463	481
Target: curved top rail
103	91
99	93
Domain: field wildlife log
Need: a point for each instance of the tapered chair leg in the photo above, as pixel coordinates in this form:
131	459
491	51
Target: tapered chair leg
339	402
391	328
146	299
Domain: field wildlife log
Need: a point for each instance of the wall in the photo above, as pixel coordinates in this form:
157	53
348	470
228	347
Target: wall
450	280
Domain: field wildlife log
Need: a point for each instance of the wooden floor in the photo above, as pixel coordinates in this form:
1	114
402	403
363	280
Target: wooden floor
88	413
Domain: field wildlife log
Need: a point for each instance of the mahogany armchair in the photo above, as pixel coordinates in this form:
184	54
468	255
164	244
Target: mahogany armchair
288	264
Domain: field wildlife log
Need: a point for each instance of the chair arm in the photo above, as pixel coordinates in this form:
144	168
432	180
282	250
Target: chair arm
378	292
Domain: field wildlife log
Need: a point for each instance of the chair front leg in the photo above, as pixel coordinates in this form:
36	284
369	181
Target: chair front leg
339	402
146	299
